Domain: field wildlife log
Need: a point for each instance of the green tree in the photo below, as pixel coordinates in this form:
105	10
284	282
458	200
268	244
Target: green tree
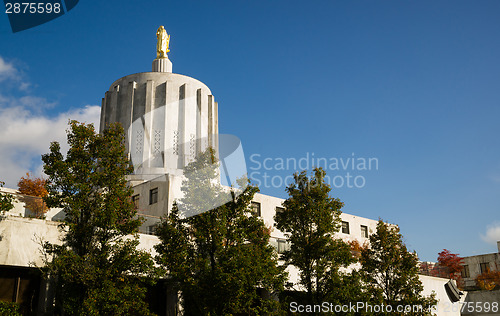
217	253
309	221
390	272
6	200
98	269
6	203
9	309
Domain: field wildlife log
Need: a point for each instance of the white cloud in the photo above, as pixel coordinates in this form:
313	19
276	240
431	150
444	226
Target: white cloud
26	132
7	70
23	86
24	137
36	104
12	76
492	233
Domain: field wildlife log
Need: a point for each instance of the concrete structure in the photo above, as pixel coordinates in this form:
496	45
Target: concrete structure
21	238
436	285
168	119
269	205
21	255
482	303
21	210
178	109
475	265
24	249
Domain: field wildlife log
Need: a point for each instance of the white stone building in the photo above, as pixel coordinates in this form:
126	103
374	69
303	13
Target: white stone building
168	118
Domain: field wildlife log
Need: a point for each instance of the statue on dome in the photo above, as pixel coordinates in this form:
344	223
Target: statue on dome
162	43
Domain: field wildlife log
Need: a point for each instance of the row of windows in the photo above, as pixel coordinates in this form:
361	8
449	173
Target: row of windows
153	197
483	267
345	229
255	209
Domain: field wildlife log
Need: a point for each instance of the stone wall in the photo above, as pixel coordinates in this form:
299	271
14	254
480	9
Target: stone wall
482	303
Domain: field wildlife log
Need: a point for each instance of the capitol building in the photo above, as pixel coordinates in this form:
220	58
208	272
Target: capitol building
168	119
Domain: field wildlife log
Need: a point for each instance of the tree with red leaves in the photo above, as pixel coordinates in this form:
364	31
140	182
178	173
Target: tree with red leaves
452	263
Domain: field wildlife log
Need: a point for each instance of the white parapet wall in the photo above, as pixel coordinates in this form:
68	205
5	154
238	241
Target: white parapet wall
353	225
22	238
445	306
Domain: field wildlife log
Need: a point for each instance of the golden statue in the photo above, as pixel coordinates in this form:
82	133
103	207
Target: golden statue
162	43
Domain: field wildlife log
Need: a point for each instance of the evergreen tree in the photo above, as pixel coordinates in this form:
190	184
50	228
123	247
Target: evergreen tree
6	200
6	203
98	269
390	272
218	255
310	220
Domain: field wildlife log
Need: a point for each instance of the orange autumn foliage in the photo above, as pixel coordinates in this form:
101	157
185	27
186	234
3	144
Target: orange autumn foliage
488	280
33	189
357	248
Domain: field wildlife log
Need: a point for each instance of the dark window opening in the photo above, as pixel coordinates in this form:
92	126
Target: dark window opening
135	200
255	208
364	231
345	227
153	196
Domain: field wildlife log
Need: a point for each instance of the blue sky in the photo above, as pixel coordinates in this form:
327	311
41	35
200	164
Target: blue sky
413	84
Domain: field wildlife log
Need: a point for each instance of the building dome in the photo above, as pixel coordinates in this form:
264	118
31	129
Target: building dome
168	118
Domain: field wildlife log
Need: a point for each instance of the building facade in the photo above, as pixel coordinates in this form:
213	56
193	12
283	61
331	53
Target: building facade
474	266
168	119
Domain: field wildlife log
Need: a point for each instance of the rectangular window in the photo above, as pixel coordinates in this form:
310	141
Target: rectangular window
153	196
151	229
345	227
364	231
484	267
465	272
255	208
280	209
135	200
281	246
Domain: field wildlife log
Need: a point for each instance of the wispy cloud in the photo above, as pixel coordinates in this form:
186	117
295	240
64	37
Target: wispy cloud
7	70
12	76
495	177
492	233
494	173
26	132
36	104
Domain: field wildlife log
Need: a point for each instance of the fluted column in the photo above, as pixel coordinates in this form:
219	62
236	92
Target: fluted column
162	65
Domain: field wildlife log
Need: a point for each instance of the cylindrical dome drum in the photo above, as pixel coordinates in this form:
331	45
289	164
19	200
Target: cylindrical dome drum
168	118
